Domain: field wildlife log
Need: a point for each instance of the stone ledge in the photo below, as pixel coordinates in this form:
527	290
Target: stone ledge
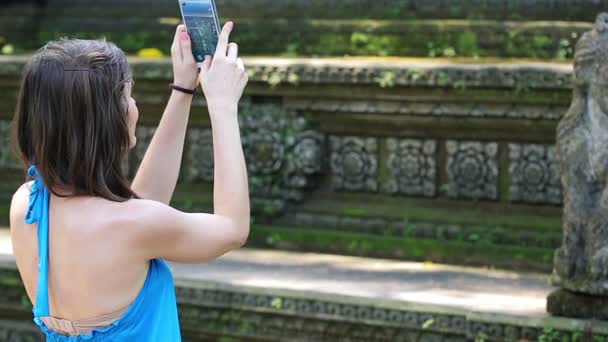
379	72
230	307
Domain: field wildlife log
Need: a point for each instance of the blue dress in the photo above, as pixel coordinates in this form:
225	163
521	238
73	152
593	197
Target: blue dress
151	317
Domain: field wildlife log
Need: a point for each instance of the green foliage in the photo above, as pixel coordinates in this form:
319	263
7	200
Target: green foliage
443	79
150	53
549	335
276	303
415	74
355	212
8	49
373	45
318	36
524	45
473	237
468	44
274	79
481	337
566	50
273	239
427	324
450	251
387	80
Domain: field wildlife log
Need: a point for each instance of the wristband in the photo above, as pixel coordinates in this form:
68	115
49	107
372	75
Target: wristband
183	90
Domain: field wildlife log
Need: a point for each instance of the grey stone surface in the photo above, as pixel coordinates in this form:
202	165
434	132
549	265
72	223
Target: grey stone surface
412	166
467	288
7	158
472	169
535	176
201	154
284	154
144	137
354	163
581	263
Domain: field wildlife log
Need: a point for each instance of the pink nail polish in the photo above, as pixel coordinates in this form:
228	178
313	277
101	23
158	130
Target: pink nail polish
185	36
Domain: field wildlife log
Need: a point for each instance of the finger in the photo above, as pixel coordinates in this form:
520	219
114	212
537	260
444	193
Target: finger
240	64
233	51
176	52
186	48
205	66
222	43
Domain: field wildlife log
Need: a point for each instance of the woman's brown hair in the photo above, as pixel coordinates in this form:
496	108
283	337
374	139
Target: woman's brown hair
71	118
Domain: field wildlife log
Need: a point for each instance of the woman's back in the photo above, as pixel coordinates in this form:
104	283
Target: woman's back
87	243
97	282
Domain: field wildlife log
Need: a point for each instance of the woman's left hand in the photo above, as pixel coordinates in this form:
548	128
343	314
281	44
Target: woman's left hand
185	69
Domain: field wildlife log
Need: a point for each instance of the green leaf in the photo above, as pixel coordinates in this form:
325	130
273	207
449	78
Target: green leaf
427	324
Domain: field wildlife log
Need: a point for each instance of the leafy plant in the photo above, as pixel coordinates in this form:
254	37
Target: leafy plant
8	49
387	80
549	335
273	239
150	53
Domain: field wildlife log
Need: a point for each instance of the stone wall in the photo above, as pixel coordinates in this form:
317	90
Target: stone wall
209	311
428	161
489	28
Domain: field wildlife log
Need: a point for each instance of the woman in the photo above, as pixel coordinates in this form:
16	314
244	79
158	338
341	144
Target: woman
89	247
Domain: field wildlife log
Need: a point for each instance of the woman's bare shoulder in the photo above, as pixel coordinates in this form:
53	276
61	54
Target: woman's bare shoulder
20	202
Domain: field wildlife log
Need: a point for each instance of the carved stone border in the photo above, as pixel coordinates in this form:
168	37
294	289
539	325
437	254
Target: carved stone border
422	108
217	309
399	73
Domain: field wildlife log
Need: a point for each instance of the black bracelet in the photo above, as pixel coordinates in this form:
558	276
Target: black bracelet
183	90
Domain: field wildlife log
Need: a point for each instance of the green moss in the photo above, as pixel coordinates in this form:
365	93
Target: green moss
468	44
355	212
390	36
193	197
487	214
308	239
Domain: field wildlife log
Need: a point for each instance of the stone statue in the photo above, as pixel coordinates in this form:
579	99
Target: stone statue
581	263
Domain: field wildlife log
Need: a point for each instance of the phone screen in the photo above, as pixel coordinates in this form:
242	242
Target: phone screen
202	22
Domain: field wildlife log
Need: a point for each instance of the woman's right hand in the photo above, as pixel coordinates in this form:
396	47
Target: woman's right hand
223	78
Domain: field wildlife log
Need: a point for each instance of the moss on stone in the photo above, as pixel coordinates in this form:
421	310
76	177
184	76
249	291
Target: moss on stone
517	217
309	239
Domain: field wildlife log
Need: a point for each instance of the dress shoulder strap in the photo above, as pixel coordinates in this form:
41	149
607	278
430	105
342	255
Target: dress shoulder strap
38	212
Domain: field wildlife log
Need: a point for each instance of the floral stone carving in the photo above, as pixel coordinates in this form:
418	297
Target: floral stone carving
283	154
535	176
472	170
354	163
412	167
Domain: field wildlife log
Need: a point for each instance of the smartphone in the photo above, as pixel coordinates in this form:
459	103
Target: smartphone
203	24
